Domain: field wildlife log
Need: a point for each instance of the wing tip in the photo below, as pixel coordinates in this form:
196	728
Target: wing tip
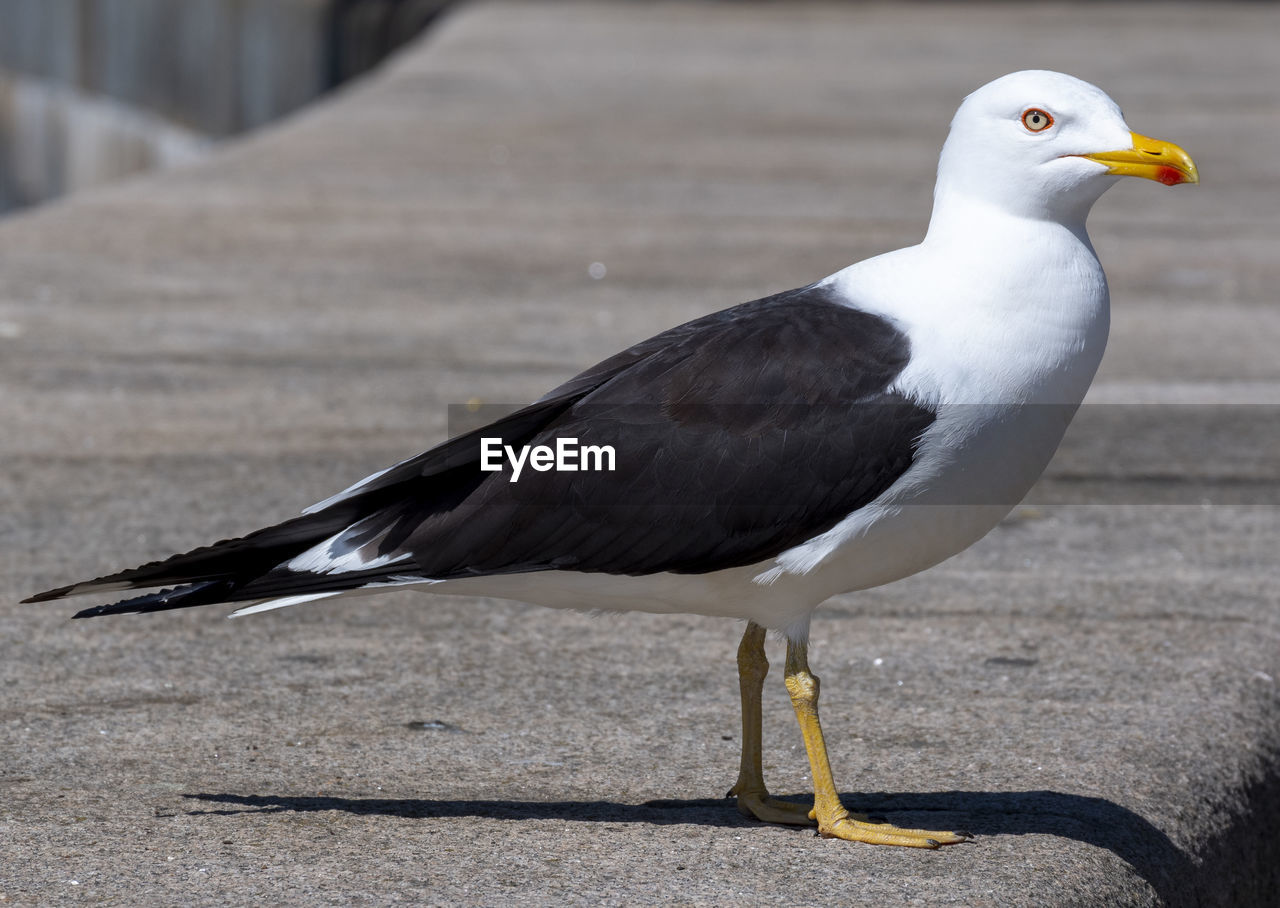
192	594
49	595
78	589
93	612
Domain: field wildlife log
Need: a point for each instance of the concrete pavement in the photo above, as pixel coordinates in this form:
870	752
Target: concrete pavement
1091	690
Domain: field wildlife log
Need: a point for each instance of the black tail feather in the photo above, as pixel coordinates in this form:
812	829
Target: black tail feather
178	597
243	557
274	585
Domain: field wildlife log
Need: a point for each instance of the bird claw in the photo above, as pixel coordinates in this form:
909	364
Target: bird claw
851	827
762	806
859	829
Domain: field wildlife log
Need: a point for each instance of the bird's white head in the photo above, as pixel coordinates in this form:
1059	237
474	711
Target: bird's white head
1046	145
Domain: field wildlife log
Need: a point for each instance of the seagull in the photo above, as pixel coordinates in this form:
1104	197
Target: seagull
755	462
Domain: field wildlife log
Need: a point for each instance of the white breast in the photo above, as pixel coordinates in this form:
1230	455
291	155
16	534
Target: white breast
1004	345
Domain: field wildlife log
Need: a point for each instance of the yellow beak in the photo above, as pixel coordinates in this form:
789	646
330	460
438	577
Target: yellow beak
1152	159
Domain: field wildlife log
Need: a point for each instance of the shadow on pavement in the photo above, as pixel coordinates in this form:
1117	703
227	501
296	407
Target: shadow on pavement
1094	821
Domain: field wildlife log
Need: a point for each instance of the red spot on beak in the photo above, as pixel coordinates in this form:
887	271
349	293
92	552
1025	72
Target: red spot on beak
1170	176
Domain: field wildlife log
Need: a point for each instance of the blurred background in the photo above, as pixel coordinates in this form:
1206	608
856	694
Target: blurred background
93	90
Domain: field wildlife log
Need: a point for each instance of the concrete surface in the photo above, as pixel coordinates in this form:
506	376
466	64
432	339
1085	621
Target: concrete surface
1092	690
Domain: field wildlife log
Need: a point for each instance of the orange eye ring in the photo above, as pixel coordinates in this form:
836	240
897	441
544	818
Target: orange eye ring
1036	120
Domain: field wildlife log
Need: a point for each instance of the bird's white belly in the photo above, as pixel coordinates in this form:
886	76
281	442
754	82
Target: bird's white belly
950	501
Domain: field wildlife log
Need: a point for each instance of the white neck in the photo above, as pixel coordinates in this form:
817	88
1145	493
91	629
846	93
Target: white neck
1006	308
962	219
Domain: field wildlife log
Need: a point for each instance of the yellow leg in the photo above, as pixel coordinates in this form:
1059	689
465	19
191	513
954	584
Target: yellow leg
753	797
834	821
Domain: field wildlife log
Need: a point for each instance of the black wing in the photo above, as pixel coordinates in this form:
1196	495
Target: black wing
741	436
735	436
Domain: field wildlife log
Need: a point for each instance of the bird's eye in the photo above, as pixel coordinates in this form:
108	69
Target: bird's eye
1036	120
